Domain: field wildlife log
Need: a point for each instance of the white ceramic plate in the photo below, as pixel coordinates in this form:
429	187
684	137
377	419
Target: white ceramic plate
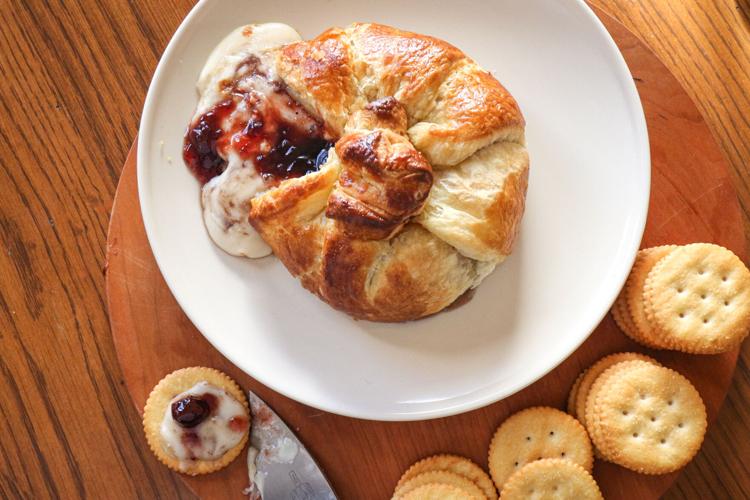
586	210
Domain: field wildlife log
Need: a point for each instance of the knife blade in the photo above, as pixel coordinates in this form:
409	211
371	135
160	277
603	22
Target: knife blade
279	466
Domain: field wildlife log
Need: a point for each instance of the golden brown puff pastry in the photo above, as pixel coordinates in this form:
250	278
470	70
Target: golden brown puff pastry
423	192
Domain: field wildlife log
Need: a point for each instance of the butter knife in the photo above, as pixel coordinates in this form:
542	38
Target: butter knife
279	466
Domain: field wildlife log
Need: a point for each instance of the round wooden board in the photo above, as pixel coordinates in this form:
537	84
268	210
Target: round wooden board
692	199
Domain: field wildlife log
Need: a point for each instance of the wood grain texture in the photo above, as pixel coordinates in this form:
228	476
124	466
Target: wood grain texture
74	77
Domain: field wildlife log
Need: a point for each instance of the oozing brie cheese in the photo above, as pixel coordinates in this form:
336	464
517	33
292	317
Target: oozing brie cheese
226	197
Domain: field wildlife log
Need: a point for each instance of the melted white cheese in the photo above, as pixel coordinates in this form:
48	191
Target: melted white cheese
215	436
226	198
221	65
255	485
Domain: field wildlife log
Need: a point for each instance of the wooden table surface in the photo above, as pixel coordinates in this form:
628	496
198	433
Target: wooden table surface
74	76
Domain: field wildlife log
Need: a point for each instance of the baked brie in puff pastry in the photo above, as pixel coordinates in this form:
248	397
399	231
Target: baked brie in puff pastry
386	169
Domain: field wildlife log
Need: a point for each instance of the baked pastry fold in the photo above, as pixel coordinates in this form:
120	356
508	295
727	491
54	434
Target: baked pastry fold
423	193
385	169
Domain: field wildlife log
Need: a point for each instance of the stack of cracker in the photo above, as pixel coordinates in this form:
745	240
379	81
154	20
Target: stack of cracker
542	452
539	453
693	298
448	477
639	414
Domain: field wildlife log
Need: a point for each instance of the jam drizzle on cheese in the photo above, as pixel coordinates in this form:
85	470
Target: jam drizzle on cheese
261	123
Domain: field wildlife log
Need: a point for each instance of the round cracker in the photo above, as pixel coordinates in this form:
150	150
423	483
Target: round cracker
644	263
593	373
573	394
621	312
440	477
595	433
437	492
551	479
170	386
535	433
455	464
646	417
698	299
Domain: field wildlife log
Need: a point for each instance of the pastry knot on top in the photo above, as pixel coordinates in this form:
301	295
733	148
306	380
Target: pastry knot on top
383	181
422	194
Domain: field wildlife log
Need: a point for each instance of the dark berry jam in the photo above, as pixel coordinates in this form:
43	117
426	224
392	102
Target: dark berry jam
293	155
202	142
213	401
265	126
191	411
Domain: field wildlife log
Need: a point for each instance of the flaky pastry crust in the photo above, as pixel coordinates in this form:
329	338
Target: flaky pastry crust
423	193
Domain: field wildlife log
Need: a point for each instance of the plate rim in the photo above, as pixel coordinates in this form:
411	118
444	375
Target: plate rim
639	214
